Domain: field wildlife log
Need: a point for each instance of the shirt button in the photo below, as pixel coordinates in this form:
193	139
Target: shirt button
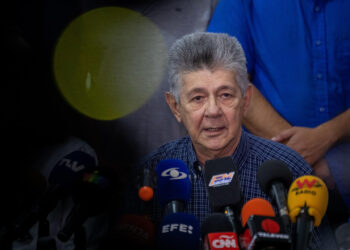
317	8
319	76
322	109
318	42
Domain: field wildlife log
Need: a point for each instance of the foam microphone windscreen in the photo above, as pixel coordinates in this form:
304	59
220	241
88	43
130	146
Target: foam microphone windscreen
173	181
70	169
262	229
273	170
309	191
179	231
216	223
222	183
256	206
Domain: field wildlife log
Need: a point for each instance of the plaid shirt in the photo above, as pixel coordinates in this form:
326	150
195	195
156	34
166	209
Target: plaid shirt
250	153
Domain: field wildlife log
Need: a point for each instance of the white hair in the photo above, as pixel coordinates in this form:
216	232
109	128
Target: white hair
206	50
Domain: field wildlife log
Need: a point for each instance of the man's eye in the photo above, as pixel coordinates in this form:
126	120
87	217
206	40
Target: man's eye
197	98
226	95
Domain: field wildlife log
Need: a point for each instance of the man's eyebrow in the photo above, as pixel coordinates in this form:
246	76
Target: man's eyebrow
225	87
195	90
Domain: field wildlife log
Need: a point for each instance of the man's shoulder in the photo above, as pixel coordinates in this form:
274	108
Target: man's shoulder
173	149
267	149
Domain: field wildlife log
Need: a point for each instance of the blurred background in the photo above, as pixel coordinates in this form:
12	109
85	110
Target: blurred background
84	76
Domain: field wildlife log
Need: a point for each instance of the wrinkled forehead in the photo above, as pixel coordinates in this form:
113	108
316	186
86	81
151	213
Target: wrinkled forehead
209	80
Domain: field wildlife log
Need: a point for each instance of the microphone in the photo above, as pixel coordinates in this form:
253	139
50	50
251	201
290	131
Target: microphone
256	206
179	231
134	231
146	185
307	204
66	172
174	185
218	233
223	186
90	197
342	236
274	178
262	230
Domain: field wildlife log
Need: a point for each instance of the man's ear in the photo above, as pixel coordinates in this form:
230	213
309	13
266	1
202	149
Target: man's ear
173	105
247	98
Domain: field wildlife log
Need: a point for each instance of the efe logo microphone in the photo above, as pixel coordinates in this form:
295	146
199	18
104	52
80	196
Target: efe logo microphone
183	228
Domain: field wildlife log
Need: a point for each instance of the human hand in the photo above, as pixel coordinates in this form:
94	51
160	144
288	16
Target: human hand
310	143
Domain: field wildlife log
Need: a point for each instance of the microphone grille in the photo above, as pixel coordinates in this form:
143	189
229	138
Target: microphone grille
273	170
256	206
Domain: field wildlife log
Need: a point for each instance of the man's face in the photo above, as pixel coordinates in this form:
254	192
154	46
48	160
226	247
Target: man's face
211	108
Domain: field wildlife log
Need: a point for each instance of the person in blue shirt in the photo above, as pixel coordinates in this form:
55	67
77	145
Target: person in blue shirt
298	59
210	94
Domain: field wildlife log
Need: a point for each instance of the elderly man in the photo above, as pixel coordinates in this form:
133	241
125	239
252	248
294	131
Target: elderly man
209	94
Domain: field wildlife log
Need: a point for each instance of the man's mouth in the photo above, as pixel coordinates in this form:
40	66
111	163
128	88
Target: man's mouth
215	129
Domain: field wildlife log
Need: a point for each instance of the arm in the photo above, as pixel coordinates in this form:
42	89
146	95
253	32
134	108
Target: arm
313	143
262	119
339	127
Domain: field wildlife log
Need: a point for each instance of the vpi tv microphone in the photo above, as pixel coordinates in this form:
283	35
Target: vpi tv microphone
262	230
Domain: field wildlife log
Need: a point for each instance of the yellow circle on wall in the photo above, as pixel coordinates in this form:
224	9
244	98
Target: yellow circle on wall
109	61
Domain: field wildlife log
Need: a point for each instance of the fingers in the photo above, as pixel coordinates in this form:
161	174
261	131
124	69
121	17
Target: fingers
285	134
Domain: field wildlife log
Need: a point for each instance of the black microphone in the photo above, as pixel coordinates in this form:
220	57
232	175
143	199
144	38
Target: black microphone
218	233
67	171
223	187
274	178
342	236
90	197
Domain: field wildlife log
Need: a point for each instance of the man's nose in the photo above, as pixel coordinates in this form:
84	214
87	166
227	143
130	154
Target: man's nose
213	108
